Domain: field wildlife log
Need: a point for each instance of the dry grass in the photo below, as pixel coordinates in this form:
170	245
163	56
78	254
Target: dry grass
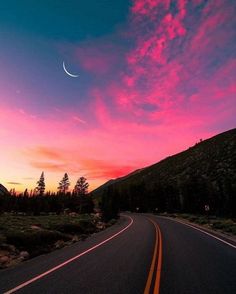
224	225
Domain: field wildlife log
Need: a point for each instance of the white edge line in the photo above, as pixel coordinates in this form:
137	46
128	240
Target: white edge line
68	261
202	231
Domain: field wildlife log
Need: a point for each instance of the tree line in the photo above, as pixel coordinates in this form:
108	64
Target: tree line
191	195
38	201
81	187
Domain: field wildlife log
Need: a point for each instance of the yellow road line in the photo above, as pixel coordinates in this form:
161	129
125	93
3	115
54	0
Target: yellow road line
151	271
156	256
158	273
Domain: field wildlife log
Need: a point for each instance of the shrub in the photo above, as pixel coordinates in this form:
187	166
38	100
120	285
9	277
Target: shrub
192	218
2	239
29	240
112	221
69	228
201	221
87	226
218	225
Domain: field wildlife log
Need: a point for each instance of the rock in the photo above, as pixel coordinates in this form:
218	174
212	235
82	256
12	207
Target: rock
83	237
73	214
66	211
3	252
100	226
24	255
12	248
59	244
98	215
8	247
34	227
4	259
75	239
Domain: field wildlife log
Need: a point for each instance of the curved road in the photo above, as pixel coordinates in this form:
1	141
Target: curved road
139	254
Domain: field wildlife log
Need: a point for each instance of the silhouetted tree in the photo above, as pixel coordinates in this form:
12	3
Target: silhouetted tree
26	193
81	186
83	201
13	192
109	204
64	184
40	185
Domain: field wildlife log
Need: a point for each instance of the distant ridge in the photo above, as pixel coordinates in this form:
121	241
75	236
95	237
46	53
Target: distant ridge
113	181
202	174
3	190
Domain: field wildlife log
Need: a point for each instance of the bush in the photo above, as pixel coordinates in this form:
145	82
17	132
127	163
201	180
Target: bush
233	230
29	240
201	221
69	228
192	218
184	215
112	221
87	226
2	239
218	225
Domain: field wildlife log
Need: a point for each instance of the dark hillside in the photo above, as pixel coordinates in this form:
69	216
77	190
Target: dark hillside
3	190
203	174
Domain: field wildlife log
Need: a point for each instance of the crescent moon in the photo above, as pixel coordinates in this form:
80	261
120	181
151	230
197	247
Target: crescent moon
66	71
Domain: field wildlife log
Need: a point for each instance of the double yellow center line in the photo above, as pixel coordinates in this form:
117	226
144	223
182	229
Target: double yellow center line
154	275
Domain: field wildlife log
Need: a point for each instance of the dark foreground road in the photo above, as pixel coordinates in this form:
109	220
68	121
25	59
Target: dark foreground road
118	266
192	262
195	263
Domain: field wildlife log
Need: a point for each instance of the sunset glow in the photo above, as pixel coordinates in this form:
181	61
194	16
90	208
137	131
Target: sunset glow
154	82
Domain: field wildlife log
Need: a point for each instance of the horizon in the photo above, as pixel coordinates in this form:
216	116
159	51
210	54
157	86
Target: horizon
72	185
154	77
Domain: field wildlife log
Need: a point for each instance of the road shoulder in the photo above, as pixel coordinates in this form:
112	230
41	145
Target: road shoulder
217	234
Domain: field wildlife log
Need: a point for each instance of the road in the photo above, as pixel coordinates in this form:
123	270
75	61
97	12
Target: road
139	254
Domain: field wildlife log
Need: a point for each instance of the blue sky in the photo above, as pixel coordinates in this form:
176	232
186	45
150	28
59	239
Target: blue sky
73	20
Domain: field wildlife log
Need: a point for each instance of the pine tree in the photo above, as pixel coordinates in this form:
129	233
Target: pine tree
85	203
64	184
13	192
81	187
26	193
40	185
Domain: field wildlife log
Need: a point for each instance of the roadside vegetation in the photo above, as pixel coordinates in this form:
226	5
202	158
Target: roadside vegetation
224	225
37	222
24	236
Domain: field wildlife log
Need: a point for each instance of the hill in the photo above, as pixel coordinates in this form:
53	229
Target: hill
203	174
3	190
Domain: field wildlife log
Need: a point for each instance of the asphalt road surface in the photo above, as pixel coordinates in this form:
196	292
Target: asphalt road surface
139	254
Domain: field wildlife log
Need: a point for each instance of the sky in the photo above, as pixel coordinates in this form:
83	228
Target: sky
154	77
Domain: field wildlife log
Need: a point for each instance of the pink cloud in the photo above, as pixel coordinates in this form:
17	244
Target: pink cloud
182	8
78	119
54	160
154	37
49	166
46	152
103	169
173	26
146	7
151	86
97	58
215	31
197	2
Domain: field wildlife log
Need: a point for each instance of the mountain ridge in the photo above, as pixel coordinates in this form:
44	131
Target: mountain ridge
204	173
